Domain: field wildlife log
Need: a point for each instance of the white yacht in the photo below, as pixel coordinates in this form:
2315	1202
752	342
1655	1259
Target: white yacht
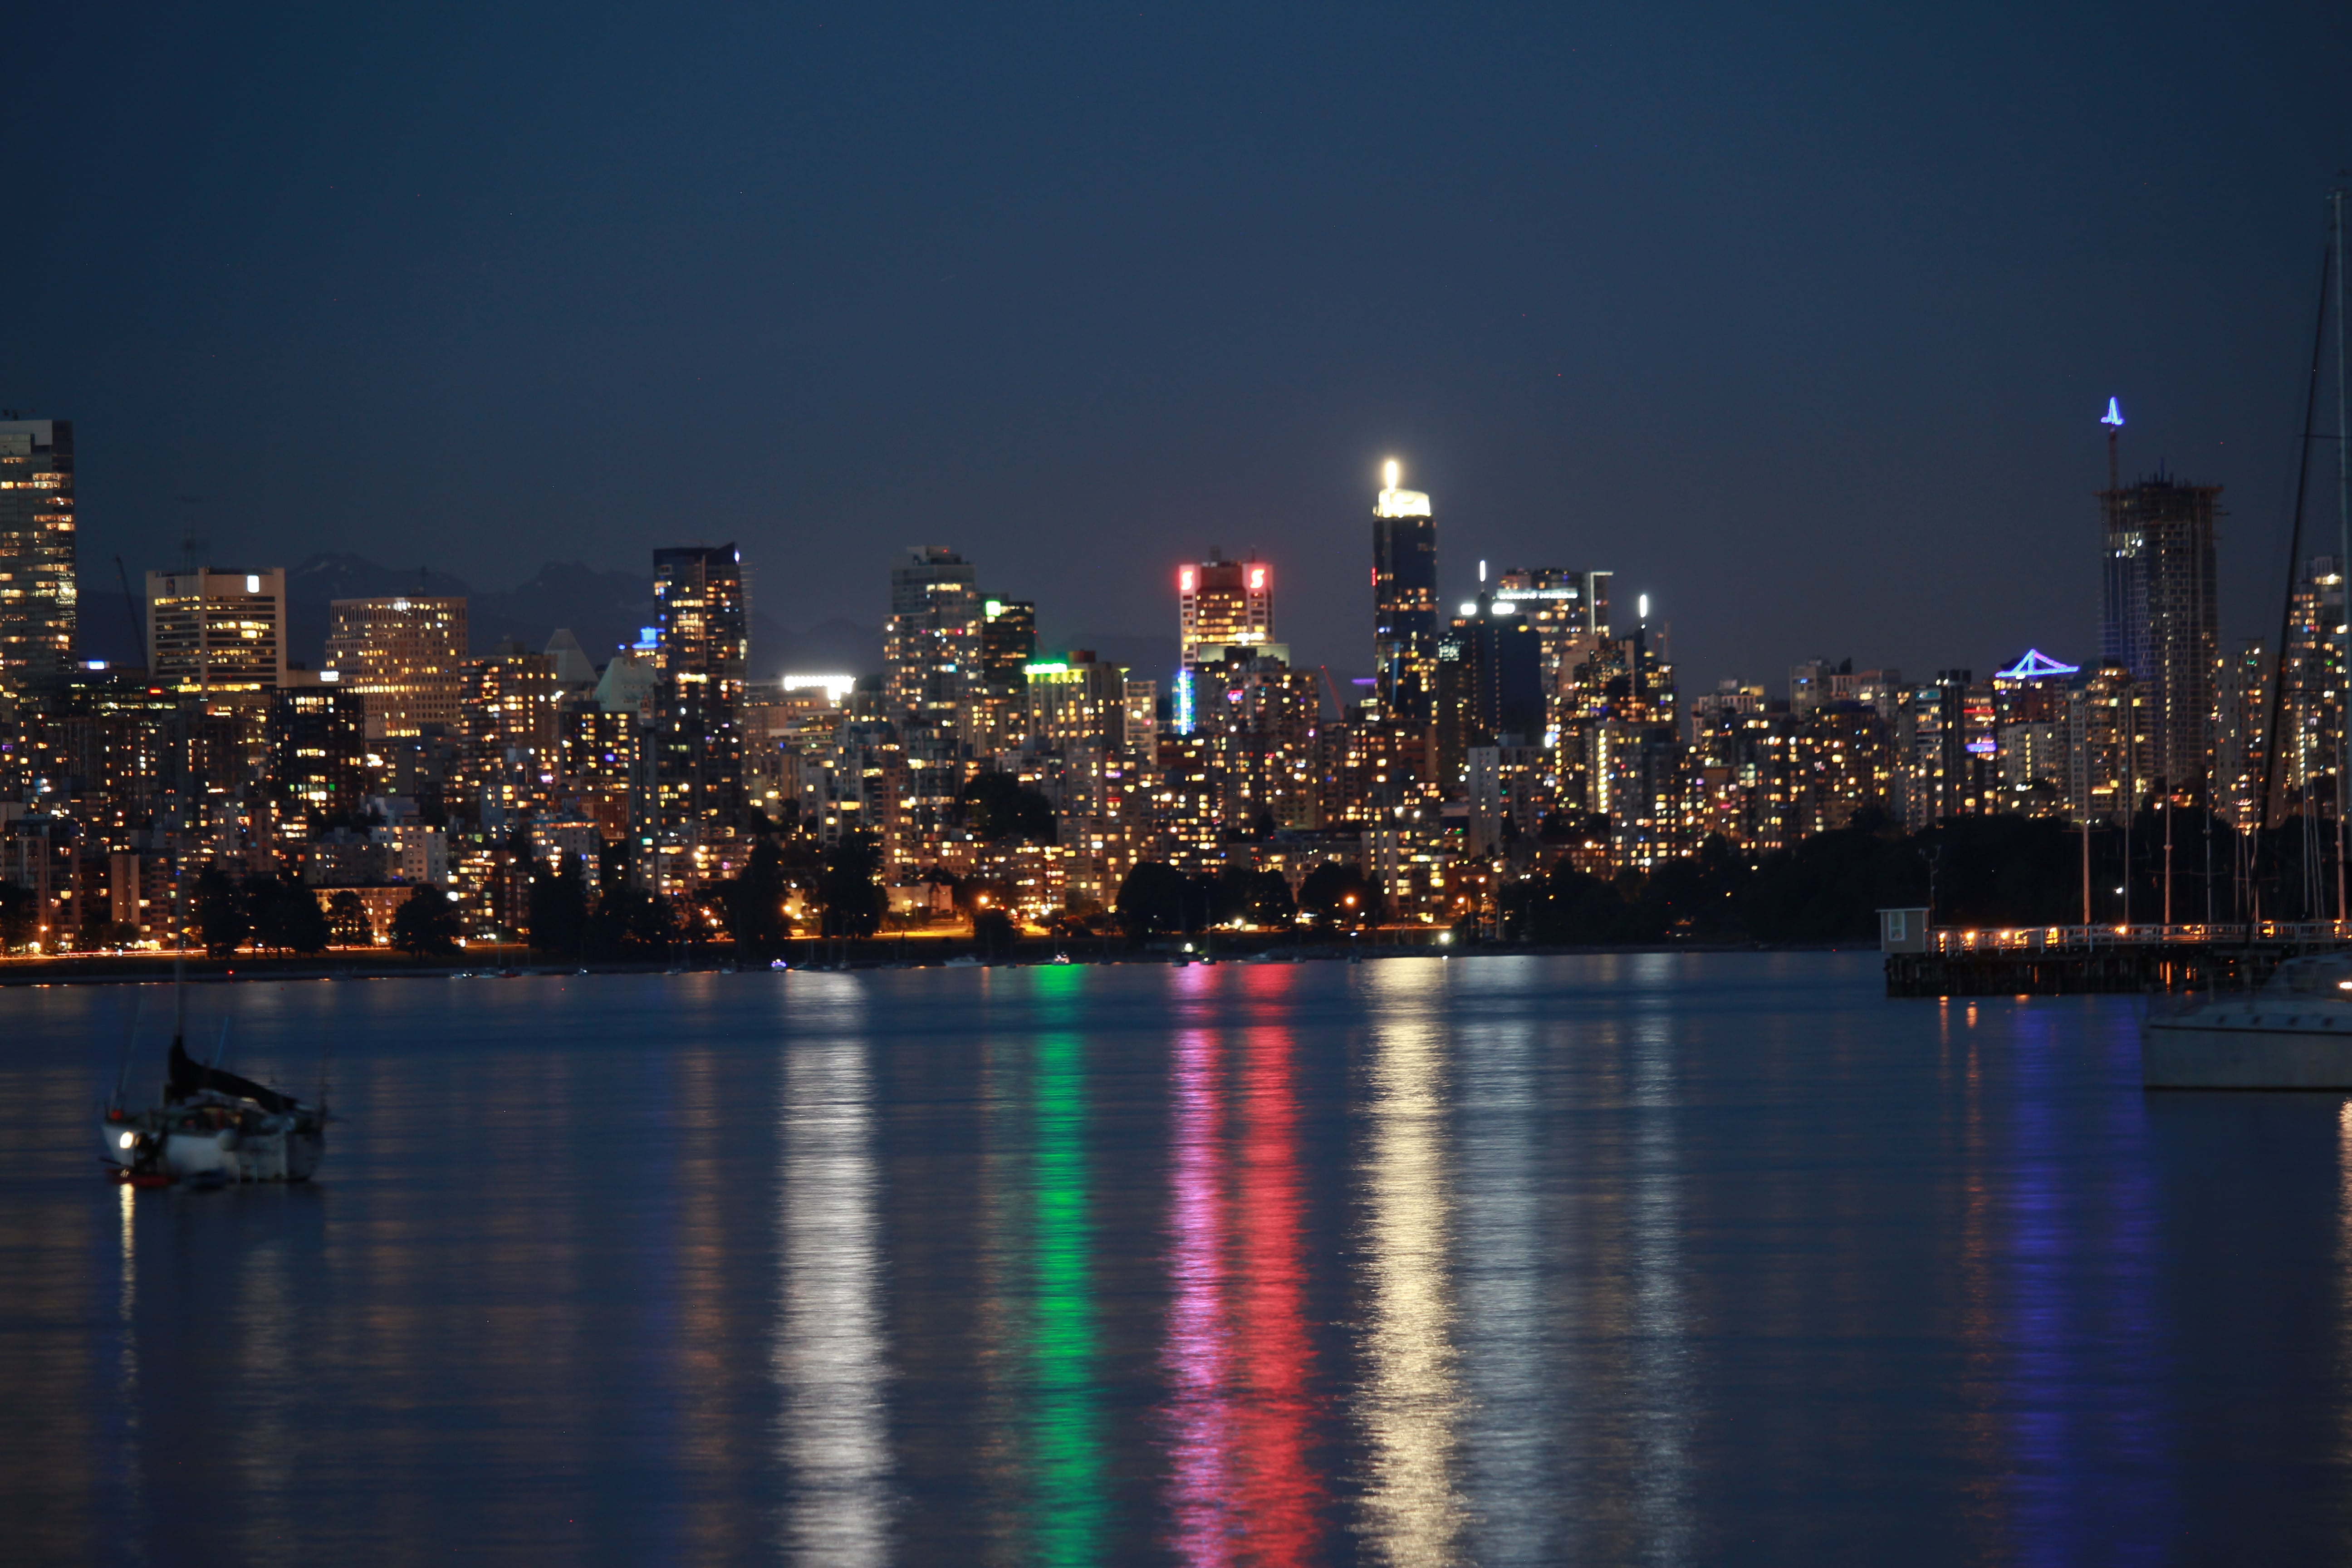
2296	1032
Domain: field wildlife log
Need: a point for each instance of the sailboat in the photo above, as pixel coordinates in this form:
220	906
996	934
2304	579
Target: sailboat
2296	1031
212	1128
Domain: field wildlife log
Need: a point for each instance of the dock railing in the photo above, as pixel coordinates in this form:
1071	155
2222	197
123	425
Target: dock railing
1953	941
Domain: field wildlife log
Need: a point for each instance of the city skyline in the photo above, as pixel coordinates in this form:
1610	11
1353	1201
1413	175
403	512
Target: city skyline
2093	641
1825	308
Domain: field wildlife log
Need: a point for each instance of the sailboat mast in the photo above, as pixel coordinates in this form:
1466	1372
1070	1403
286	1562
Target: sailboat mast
2343	556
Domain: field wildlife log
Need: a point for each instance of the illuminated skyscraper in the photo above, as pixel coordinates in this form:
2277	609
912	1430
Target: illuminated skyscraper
931	653
2162	617
318	753
511	761
36	551
701	647
218	631
406	657
1222	603
1404	602
1077	701
931	646
1258	721
1568	610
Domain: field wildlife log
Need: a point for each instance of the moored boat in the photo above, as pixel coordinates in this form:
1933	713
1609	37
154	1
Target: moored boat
2296	1032
213	1126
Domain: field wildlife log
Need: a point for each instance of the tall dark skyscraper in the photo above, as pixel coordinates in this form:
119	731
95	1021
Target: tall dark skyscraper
2160	617
1490	687
1008	647
1008	639
1404	604
36	551
701	647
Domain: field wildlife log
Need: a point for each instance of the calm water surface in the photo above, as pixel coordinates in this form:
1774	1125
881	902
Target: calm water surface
1616	1259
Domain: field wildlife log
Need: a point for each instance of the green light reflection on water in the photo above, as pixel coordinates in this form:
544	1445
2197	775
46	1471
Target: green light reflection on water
1066	1422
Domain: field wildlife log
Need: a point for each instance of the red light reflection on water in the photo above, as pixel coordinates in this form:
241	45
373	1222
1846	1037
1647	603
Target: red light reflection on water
1239	1360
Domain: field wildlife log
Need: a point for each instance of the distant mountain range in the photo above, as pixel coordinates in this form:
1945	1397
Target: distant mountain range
604	610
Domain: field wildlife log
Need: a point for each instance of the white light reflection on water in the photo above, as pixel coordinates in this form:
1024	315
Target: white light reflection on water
1413	1401
1519	1496
1665	1400
128	1466
266	1444
828	1355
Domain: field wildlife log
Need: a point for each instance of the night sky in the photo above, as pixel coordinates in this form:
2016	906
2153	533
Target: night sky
1799	317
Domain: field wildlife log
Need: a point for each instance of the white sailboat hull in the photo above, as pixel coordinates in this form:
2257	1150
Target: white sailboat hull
2242	1048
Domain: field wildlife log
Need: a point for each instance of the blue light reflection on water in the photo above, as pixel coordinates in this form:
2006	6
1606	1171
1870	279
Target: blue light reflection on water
1508	1260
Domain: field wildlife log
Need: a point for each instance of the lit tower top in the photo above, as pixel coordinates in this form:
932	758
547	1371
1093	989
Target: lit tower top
1395	502
1404	602
1222	604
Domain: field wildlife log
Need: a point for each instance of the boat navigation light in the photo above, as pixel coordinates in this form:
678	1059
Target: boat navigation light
128	1139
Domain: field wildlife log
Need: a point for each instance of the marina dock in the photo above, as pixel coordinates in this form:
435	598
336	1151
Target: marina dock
2064	961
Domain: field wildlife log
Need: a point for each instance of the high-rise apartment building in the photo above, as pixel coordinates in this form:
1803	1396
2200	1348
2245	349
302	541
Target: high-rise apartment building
2160	616
1222	603
218	631
931	645
1075	702
405	657
36	551
1008	647
2031	703
2310	697
318	754
1257	734
702	648
1951	764
1404	604
512	758
1568	610
2110	737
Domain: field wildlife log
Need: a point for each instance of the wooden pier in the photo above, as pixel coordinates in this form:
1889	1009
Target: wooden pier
2066	961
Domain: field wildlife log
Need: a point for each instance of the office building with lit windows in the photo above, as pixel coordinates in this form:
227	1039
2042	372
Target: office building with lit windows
405	657
1078	700
701	652
1222	603
1569	610
36	551
218	631
318	755
511	758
